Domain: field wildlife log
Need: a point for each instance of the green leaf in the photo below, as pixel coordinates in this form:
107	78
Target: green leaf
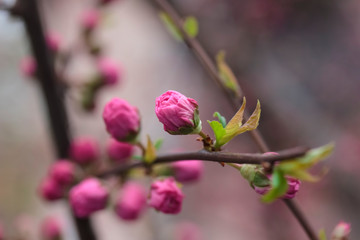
158	144
253	122
226	74
150	151
221	118
279	186
218	130
298	167
191	26
171	26
322	235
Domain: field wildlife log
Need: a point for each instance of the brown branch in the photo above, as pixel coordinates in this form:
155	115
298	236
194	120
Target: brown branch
239	158
209	65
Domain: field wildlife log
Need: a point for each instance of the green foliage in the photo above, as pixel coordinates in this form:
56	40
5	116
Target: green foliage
191	26
171	26
221	118
227	76
150	152
224	134
158	144
279	186
322	235
298	167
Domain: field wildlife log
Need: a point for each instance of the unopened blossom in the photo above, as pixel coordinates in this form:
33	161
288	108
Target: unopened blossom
341	231
53	41
90	19
166	196
187	231
293	188
84	150
51	190
51	229
178	113
188	171
28	67
122	120
88	197
63	172
119	151
131	201
109	70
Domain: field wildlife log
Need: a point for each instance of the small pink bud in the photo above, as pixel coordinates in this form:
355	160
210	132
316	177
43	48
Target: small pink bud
53	41
119	151
88	197
51	190
122	120
166	196
90	19
187	231
84	150
63	172
109	71
294	186
51	229
131	202
28	67
178	113
188	171
341	231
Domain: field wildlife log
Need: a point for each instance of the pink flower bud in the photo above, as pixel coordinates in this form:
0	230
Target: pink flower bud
51	190
187	171
84	150
53	41
294	186
178	113
90	19
109	71
28	67
119	151
341	231
63	172
166	196
51	229
122	120
187	231
131	202
88	197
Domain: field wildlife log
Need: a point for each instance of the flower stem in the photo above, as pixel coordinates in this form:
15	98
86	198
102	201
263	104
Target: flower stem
203	135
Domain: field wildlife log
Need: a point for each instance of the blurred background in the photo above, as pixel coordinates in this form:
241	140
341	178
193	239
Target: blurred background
300	58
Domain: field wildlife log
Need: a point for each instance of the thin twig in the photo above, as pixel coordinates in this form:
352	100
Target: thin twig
209	65
238	158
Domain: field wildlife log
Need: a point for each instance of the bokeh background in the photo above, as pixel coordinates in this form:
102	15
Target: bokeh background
300	58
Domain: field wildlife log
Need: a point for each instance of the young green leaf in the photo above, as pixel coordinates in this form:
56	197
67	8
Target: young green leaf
221	118
191	26
279	186
150	152
171	26
226	74
218	130
322	235
158	144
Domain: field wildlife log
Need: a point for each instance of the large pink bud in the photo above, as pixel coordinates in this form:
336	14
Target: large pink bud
341	231
131	202
51	229
187	171
88	197
28	67
63	172
178	113
84	150
51	190
109	70
90	19
166	196
122	120
119	151
53	41
293	188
